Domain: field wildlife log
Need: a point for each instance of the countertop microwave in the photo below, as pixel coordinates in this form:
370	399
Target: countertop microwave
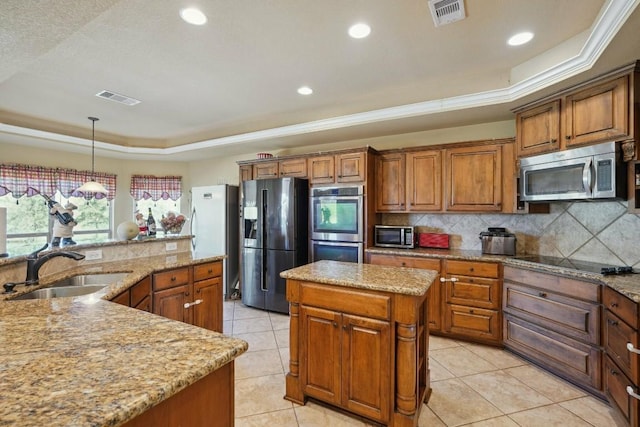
586	173
394	236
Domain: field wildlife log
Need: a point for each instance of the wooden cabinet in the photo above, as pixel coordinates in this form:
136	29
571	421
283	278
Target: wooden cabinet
138	296
410	181
322	169
472	294
265	170
363	351
473	180
293	168
598	113
622	362
555	322
538	129
351	167
599	110
190	295
434	295
246	172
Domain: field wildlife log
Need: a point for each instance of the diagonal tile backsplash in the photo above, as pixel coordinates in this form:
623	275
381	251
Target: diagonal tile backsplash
591	231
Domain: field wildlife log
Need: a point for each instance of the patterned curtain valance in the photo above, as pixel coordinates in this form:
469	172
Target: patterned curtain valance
31	180
156	187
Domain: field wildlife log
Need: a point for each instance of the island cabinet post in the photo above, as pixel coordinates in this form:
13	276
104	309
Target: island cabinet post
332	332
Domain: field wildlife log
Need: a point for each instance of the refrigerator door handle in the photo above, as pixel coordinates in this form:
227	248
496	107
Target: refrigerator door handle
263	225
193	219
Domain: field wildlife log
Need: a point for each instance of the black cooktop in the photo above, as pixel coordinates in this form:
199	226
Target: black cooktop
591	267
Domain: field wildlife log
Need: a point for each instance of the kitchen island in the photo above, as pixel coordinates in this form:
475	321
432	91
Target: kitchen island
359	340
86	361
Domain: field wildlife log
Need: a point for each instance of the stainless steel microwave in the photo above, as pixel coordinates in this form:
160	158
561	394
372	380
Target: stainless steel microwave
587	173
394	236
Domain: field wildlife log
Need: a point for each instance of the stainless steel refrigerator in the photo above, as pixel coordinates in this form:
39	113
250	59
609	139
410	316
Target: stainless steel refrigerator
215	227
274	238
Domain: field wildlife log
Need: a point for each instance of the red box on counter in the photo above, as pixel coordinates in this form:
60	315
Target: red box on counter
433	240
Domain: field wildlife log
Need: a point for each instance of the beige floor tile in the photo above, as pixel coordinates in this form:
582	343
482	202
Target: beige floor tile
429	419
507	393
260	395
436	342
282	338
503	421
455	403
592	410
241	311
227	327
548	416
258	324
258	341
284	357
279	321
258	363
315	415
227	310
284	418
496	356
460	361
544	383
439	372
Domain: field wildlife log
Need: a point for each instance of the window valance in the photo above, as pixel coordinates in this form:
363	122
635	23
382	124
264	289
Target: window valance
156	187
20	179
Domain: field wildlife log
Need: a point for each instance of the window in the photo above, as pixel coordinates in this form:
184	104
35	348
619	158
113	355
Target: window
160	193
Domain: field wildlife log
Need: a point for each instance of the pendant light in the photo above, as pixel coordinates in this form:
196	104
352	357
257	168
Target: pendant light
93	186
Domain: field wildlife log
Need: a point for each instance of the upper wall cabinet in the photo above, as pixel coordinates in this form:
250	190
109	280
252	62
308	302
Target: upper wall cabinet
599	110
296	168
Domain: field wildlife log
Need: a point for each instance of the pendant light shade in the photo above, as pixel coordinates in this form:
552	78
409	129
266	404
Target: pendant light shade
93	186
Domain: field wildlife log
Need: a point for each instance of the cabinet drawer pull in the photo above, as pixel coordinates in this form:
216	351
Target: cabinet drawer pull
471	269
631	393
470	311
542	294
613	322
453	279
209	271
614	304
189	304
632	349
173	278
612	372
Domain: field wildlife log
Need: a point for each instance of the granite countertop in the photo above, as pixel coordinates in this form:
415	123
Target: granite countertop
84	361
398	280
628	285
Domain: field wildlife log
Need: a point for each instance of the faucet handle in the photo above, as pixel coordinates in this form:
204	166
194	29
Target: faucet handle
34	255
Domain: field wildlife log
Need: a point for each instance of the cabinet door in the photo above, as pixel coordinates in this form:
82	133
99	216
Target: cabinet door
424	180
351	167
322	170
293	168
366	364
616	335
599	113
208	313
615	387
122	298
140	291
320	358
538	129
390	181
144	305
170	303
246	173
474	178
265	170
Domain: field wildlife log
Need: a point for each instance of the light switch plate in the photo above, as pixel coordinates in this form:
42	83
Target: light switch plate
171	246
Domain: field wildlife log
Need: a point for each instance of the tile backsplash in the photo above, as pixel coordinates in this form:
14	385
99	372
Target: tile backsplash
592	231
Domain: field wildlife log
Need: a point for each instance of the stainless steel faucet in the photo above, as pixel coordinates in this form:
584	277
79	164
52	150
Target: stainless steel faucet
34	262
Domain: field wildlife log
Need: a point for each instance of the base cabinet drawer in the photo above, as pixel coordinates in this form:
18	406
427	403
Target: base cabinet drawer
478	323
617	335
573	360
615	388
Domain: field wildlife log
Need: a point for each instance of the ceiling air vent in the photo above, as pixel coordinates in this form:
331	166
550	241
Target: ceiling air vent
117	98
446	11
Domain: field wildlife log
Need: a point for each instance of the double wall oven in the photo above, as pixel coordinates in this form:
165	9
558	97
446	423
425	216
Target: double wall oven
337	223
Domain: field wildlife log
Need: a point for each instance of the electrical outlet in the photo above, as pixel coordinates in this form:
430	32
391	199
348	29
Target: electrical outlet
171	246
171	259
92	255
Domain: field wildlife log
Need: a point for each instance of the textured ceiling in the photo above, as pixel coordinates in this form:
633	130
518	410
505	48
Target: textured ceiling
233	82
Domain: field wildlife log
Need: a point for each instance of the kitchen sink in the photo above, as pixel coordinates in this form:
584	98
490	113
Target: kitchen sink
89	279
82	284
57	292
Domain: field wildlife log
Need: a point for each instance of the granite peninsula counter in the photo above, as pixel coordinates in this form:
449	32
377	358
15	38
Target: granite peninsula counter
359	338
85	361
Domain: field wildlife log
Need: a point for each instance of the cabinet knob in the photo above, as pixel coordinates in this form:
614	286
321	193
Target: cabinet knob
614	304
470	311
186	294
542	294
173	278
553	140
612	322
404	264
612	372
568	137
335	324
209	271
471	269
344	327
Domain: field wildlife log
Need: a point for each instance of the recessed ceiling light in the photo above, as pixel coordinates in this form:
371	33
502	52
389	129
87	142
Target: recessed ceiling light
520	38
305	90
359	31
193	16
